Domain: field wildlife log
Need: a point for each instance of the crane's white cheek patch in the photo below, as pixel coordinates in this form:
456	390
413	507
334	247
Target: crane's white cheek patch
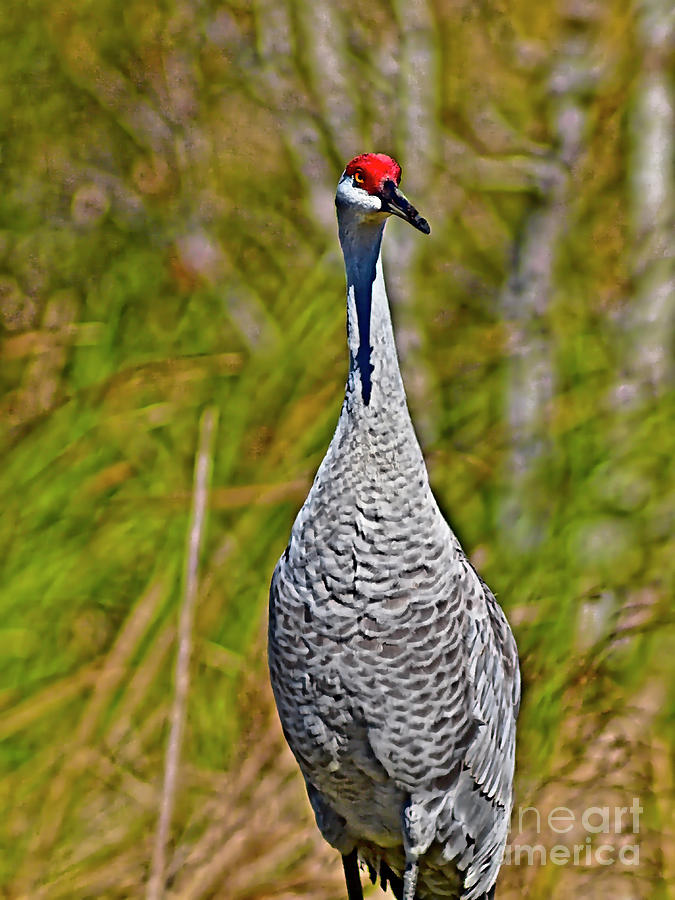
356	198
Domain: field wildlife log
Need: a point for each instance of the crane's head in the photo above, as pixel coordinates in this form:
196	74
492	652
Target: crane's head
369	186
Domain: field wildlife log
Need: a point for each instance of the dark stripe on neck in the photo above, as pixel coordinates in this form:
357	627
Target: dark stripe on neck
363	298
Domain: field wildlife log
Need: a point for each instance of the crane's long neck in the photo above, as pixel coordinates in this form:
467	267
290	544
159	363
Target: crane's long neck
374	377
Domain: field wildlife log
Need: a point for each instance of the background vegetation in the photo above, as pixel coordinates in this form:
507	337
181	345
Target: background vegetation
167	243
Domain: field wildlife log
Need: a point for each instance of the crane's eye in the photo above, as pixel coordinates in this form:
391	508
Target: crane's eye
358	177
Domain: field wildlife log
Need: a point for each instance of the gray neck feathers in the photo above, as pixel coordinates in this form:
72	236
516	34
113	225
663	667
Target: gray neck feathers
374	451
374	377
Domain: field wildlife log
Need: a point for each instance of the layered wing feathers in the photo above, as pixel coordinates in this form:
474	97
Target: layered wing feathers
395	671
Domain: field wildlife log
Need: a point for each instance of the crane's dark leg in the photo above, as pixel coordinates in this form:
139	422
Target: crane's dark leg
350	864
490	894
387	877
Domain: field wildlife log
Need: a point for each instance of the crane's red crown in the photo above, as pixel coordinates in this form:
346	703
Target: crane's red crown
371	170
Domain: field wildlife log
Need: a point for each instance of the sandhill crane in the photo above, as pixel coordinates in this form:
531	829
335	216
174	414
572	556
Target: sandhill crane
394	670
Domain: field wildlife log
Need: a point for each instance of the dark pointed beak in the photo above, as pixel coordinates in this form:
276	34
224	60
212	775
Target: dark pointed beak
396	203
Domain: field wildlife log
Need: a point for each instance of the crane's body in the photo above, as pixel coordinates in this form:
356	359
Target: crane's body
393	667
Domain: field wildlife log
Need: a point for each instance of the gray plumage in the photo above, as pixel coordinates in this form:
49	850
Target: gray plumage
394	670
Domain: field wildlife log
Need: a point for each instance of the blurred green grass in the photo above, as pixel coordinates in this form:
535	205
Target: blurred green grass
167	178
